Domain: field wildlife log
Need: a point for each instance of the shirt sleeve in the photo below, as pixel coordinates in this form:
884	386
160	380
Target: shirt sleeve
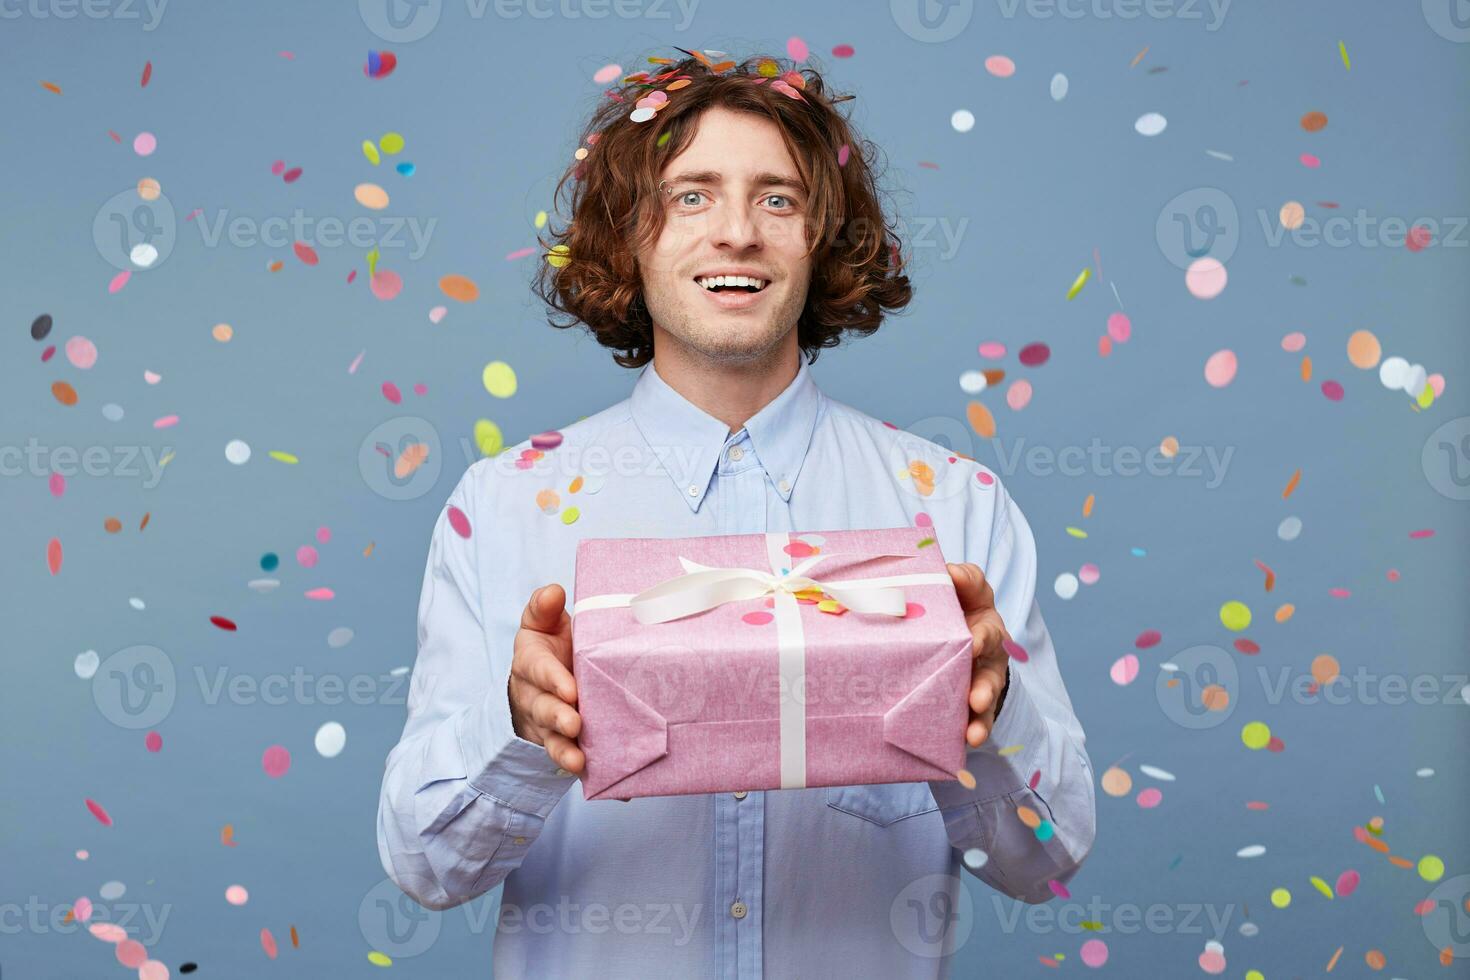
1036	754
463	797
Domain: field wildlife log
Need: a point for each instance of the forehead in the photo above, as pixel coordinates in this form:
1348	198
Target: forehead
735	144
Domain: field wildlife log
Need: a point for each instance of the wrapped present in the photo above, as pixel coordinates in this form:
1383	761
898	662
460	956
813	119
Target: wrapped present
768	661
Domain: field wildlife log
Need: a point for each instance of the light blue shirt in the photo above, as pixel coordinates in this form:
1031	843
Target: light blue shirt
819	882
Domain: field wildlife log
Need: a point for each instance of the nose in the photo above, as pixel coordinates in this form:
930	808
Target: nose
733	226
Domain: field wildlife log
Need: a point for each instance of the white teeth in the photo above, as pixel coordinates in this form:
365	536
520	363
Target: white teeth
708	282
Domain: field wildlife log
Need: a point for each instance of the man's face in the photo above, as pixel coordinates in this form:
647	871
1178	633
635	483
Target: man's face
733	203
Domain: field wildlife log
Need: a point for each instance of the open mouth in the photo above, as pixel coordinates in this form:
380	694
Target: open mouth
732	284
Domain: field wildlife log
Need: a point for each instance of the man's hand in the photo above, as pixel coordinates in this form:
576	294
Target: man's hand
542	691
990	675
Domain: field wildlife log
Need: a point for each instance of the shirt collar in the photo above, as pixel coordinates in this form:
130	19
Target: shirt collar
690	441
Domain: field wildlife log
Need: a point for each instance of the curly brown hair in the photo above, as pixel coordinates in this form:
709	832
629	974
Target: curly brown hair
590	274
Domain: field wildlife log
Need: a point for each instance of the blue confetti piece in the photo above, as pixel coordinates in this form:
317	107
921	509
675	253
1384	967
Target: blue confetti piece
405	168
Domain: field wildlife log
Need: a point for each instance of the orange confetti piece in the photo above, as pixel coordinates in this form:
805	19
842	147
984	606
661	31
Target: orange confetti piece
112	525
295	940
966	778
410	459
1139	57
147	74
1270	575
51	87
461	288
1306	368
63	393
980	420
1399	862
227	835
1333	962
144	522
1376	844
1291	484
1285	612
53	555
1087	505
367	552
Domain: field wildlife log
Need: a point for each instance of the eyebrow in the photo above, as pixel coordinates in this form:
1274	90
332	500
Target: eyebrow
763	179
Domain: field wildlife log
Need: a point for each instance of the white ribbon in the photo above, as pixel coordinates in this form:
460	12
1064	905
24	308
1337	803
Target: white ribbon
702	587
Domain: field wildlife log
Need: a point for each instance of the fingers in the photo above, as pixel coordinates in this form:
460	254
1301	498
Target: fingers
977	733
970	585
538	664
986	683
565	753
551	713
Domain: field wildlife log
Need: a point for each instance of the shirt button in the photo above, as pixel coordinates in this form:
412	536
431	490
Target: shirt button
736	452
784	486
693	490
520	841
740	795
562	772
738	910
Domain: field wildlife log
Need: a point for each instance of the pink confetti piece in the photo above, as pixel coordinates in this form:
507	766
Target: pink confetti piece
796	49
305	253
352	368
1058	889
99	812
108	932
844	152
1148	638
268	943
320	593
757	618
82	909
166	422
386	284
1015	651
131	953
153	742
391	392
323	534
519	253
276	761
306	556
1425	533
1150	798
292	175
843	51
119	281
459	521
58	486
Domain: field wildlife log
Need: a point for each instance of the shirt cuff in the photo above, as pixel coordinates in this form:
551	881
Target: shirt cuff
506	767
1021	730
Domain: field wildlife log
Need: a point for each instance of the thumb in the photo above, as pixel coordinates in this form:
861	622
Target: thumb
967	585
544	610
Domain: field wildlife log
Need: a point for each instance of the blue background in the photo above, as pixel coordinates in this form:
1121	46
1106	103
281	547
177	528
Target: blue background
489	106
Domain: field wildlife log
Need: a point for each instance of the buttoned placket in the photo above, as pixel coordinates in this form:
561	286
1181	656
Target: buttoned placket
739	492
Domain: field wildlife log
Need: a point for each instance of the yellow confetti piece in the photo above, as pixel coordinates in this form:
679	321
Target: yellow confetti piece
371	152
1255	735
1431	868
570	515
499	379
540	221
1235	615
1011	749
925	543
560	256
379	959
1076	532
1321	886
372	261
281	457
167	458
1426	397
391	143
1280	897
488	438
1081	279
1342	49
832	606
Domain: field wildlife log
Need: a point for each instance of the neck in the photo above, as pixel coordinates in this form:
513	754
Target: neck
731	391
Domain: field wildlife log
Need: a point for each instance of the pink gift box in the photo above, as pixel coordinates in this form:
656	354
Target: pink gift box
757	688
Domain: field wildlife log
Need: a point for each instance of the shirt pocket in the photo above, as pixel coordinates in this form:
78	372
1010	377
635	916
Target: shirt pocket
883	804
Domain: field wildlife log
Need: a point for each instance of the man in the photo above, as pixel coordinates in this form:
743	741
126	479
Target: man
749	172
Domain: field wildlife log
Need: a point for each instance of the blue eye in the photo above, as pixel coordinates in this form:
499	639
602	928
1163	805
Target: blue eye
781	197
687	194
